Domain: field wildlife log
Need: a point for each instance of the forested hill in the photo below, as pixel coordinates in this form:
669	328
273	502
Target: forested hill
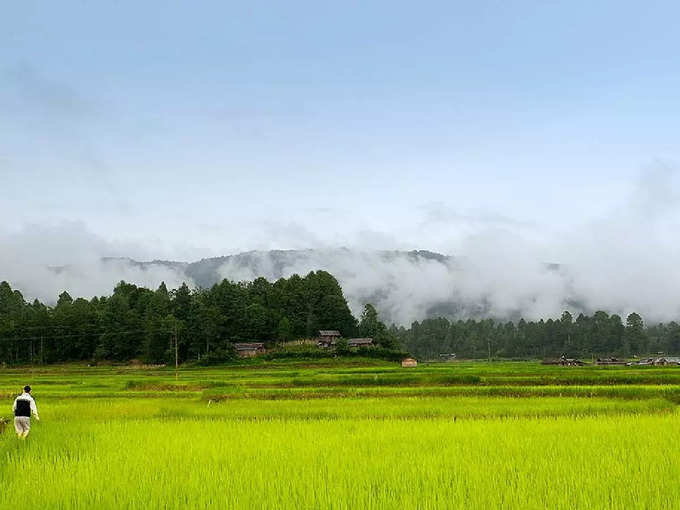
275	264
136	322
404	285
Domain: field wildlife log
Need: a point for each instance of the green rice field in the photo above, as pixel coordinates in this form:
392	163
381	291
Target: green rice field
345	435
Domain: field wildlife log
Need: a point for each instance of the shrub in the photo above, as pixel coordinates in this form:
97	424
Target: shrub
218	356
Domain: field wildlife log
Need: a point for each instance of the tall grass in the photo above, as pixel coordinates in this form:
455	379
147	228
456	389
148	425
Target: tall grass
563	463
468	407
370	436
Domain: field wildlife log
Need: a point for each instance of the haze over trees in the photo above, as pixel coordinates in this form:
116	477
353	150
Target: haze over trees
139	323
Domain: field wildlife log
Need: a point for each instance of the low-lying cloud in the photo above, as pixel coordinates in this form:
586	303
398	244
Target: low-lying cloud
622	262
43	261
625	261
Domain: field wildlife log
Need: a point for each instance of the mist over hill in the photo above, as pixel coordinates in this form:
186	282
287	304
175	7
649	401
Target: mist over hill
622	261
495	276
403	285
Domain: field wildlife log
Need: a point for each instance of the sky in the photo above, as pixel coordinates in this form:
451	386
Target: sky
177	130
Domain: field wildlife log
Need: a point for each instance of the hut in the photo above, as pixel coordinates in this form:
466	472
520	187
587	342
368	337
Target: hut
327	337
409	363
360	342
667	360
249	349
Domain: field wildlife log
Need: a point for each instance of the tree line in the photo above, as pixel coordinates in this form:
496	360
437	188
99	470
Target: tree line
140	323
596	335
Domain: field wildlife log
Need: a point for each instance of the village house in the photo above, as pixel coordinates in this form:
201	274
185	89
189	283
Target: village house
667	360
359	342
249	349
327	338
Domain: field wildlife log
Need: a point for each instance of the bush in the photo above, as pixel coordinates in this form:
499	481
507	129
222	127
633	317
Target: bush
312	352
217	357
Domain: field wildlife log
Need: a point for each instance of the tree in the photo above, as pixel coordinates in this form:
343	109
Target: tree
672	343
181	302
565	328
65	299
284	330
257	323
634	334
342	347
370	326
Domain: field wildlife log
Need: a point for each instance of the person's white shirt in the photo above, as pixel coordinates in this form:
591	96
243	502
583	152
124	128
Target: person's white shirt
27	396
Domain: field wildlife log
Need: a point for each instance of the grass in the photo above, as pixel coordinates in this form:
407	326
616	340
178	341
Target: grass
599	462
345	435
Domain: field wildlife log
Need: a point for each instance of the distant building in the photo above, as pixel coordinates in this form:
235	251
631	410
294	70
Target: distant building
667	360
249	349
327	337
409	363
359	342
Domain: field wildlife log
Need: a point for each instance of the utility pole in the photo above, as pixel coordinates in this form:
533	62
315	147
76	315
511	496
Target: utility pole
176	352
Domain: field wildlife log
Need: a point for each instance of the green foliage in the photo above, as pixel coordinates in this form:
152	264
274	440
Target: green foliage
599	335
284	330
370	326
342	347
138	323
218	356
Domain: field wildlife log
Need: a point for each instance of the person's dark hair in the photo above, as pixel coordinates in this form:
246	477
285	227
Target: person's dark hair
27	388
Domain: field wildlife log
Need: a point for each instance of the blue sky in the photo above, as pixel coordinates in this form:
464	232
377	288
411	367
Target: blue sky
178	130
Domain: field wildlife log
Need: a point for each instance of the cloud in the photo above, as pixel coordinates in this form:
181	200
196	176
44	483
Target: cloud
441	213
406	286
45	260
627	260
621	262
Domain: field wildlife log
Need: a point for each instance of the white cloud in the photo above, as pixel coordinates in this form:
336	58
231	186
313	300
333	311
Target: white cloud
621	262
42	261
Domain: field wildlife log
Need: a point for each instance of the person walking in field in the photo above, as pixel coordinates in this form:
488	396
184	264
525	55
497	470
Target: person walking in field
24	405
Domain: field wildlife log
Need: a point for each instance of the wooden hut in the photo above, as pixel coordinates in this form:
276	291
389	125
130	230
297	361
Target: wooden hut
359	342
409	363
327	337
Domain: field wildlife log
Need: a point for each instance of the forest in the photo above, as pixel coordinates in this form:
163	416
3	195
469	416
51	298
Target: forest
139	323
586	336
